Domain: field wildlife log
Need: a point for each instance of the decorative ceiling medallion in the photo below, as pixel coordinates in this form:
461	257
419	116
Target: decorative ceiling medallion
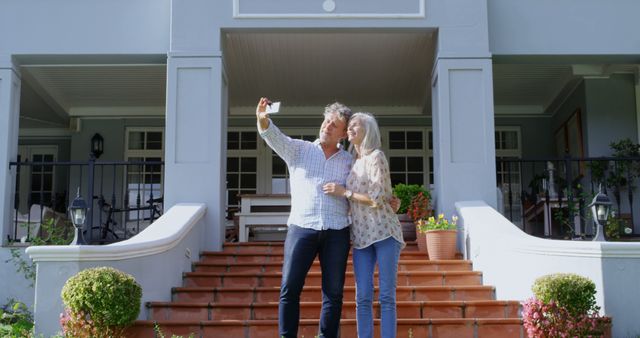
352	9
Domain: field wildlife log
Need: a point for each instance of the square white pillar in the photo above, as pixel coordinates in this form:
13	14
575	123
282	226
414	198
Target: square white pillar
195	144
9	119
463	132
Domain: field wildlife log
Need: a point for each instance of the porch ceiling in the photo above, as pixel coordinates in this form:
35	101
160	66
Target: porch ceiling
361	68
302	68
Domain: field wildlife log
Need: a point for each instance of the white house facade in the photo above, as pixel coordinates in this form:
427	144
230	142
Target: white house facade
455	85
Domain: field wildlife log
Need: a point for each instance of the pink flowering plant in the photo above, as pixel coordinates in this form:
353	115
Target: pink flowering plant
563	306
439	223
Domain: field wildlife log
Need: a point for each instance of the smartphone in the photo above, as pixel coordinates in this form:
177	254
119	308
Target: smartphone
273	107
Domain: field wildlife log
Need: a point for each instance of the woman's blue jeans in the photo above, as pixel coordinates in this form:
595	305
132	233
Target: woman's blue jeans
386	254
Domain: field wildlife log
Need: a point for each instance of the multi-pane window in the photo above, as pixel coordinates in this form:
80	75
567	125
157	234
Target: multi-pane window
508	175
241	177
143	181
242	165
42	179
279	170
406	154
35	184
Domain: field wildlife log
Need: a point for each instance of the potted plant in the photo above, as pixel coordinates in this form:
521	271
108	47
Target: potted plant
405	193
441	236
419	209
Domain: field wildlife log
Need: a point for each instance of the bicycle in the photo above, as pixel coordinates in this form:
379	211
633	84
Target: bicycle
107	230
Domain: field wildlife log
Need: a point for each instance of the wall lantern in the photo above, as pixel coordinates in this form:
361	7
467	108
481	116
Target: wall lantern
78	214
97	145
600	207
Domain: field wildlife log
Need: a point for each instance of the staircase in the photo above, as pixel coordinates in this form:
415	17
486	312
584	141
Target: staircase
234	293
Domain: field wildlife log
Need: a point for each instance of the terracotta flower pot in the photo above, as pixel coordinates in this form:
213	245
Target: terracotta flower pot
408	227
441	244
421	239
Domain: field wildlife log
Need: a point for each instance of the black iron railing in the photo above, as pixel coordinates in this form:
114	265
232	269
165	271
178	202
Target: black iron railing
123	197
548	197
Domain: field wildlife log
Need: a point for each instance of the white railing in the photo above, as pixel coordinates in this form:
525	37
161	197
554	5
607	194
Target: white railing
511	260
156	257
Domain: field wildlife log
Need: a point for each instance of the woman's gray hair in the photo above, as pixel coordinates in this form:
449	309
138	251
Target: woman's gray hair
344	112
371	140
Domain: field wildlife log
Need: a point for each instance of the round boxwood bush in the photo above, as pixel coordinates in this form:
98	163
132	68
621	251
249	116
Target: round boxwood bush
109	296
573	292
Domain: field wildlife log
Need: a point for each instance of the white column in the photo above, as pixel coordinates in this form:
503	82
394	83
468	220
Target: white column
463	132
195	144
9	117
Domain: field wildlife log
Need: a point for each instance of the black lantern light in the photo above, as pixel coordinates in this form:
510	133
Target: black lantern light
97	145
78	214
600	207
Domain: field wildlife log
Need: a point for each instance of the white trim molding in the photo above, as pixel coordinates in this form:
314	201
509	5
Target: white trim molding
160	236
326	9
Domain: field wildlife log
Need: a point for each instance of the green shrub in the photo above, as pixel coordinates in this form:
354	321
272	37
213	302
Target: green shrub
15	320
111	298
406	192
573	292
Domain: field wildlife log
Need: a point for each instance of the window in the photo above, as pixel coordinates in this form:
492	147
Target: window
242	165
409	162
508	175
35	184
279	170
143	181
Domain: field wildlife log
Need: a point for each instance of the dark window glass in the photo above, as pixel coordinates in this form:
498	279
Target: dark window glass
154	140
397	178
278	167
248	181
430	140
414	164
397	164
415	179
233	140
431	169
414	140
396	140
249	140
233	164
248	164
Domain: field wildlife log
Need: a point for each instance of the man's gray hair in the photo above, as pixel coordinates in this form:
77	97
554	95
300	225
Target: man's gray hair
344	112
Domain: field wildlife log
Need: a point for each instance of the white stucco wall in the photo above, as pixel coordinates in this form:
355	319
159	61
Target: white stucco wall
511	261
13	284
156	257
84	27
569	27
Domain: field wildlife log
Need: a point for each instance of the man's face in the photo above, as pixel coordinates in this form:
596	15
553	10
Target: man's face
333	129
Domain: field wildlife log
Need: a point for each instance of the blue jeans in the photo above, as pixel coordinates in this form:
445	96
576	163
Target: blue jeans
386	253
300	249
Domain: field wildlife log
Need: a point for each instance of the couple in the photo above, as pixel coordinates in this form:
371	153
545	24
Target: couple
327	182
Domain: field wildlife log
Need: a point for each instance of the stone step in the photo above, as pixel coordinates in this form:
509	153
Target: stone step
242	295
403	265
277	247
461	327
163	311
260	257
405	278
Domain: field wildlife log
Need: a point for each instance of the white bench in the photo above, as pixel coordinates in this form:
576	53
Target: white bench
256	211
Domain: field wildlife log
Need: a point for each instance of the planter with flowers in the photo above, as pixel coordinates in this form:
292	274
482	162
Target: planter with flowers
441	236
420	209
406	193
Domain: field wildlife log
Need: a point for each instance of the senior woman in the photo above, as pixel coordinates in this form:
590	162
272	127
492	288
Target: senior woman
376	232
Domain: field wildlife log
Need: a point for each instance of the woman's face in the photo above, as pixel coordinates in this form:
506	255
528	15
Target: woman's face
355	132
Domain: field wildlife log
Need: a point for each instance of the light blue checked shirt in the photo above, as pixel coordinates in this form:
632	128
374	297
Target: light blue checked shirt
309	170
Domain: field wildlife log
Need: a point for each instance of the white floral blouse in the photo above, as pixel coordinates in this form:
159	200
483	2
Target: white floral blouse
370	175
